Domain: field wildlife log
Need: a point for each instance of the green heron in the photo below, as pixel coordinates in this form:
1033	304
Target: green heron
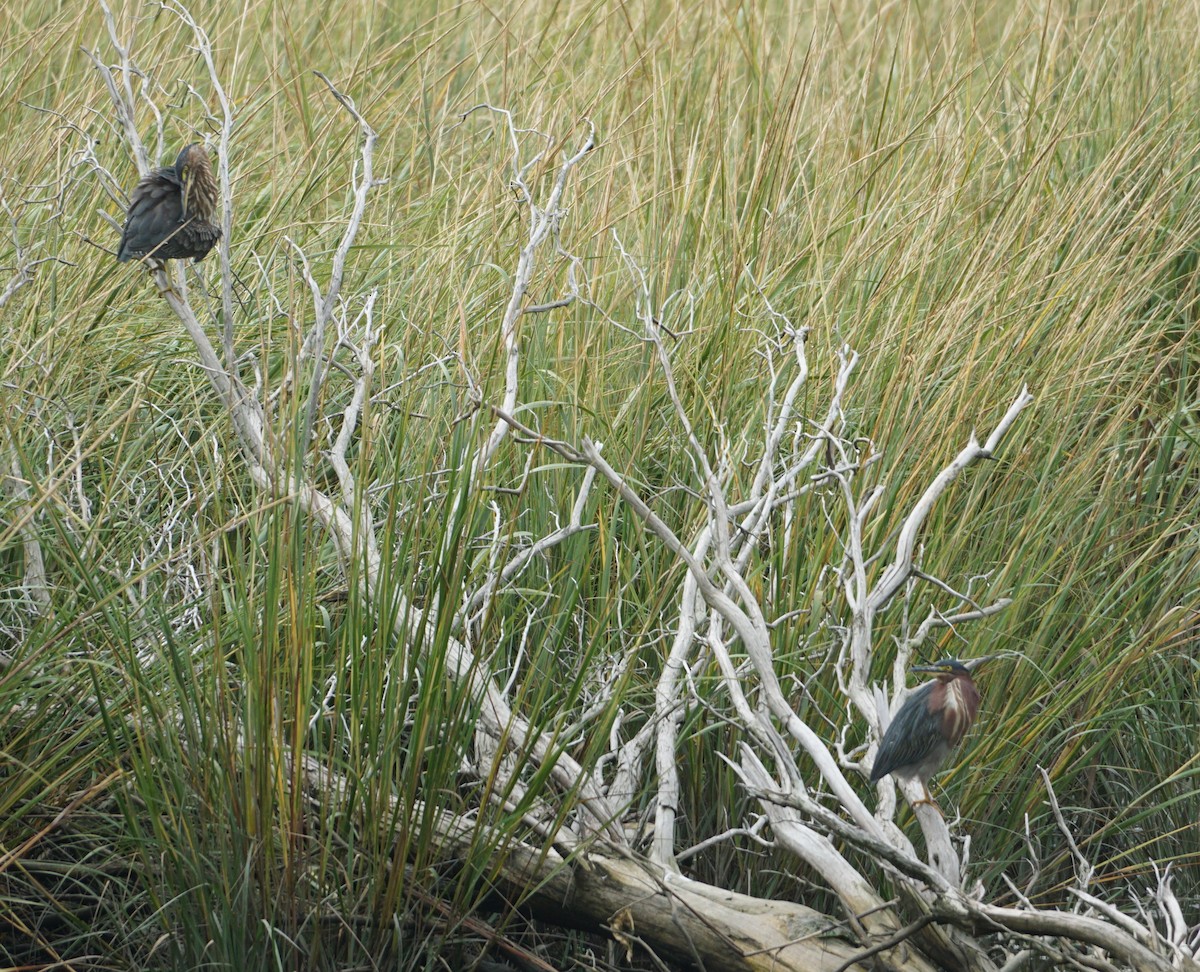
171	212
931	722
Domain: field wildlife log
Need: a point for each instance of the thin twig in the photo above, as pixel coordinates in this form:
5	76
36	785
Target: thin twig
363	185
901	936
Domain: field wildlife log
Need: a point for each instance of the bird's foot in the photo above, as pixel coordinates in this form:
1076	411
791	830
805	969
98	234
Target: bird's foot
928	800
162	278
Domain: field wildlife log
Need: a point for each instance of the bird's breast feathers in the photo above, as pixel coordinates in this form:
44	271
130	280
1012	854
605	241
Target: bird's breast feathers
959	711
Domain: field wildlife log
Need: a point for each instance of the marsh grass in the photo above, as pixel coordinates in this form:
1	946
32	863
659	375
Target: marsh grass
972	198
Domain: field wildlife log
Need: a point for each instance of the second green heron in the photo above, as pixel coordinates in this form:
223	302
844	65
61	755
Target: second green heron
930	723
173	211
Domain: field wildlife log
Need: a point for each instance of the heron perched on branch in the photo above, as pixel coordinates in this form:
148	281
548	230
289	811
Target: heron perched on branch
171	214
930	723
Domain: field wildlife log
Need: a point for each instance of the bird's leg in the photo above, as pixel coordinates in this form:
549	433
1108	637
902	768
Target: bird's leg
162	282
928	800
165	281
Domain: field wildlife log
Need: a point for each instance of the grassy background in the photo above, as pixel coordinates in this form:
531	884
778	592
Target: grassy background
973	196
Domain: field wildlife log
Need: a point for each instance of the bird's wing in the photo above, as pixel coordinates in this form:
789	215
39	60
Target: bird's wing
912	736
155	213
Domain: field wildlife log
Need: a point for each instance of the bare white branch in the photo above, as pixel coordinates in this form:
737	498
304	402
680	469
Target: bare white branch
223	181
897	572
1083	867
361	348
952	906
545	223
323	309
122	95
34	585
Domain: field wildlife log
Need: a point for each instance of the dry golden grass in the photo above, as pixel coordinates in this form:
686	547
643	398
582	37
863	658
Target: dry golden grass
973	196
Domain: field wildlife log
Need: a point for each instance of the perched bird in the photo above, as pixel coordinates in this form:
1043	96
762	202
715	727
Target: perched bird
930	723
171	215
